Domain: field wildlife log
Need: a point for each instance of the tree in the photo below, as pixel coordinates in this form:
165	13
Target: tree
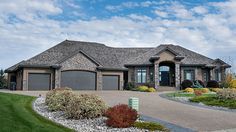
3	81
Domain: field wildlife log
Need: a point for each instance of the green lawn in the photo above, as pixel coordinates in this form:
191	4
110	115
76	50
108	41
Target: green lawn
182	94
214	101
16	114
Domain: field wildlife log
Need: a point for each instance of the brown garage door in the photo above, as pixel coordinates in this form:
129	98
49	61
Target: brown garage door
110	82
79	80
39	81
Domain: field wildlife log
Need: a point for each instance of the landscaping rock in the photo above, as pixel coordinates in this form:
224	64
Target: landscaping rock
83	125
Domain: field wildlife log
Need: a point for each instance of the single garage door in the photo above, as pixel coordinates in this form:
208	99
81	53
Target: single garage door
110	82
78	80
39	81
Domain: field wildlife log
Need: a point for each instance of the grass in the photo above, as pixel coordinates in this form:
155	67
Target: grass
214	101
16	114
151	126
182	94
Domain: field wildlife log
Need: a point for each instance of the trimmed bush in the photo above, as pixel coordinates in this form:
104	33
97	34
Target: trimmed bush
142	88
151	126
151	90
198	84
233	84
189	90
203	90
129	86
227	94
121	116
212	84
57	99
85	106
186	84
215	89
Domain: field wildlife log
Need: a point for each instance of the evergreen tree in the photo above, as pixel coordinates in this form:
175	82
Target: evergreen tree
3	81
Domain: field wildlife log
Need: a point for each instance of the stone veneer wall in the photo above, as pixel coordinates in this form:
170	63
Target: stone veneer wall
78	62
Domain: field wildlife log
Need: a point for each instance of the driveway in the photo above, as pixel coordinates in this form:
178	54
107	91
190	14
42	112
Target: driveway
152	105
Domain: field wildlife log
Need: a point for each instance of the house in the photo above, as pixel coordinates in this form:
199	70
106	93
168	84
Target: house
94	66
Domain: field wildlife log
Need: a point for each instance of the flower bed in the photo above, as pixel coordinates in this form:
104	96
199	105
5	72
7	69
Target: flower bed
82	125
87	112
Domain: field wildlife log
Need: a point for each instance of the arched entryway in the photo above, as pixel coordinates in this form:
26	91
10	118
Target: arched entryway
167	73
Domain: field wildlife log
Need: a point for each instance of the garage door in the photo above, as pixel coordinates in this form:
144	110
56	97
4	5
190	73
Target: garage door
39	81
110	82
79	80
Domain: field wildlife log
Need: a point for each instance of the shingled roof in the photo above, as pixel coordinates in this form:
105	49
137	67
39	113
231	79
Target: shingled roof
108	57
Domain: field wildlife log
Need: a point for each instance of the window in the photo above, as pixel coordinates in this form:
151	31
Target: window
218	75
189	74
151	72
141	75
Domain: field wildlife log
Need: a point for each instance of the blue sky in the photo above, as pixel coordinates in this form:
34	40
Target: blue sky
29	27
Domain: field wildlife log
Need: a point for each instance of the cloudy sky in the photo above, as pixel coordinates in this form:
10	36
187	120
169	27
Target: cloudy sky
28	27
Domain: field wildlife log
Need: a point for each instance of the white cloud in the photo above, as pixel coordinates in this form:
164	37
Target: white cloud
161	13
200	10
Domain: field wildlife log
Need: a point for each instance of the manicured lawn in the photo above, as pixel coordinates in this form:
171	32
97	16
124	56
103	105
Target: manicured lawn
16	114
182	94
214	101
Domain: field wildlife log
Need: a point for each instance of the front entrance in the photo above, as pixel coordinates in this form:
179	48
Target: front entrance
167	73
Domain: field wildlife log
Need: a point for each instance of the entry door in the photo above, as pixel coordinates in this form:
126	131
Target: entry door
165	78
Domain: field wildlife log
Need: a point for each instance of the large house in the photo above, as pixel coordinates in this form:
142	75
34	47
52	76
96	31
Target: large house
94	66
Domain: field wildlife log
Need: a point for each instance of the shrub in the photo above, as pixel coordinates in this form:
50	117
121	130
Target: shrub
186	84
142	88
57	99
130	86
227	94
121	116
216	89
233	84
198	84
151	90
203	90
189	90
227	81
85	106
212	84
198	92
151	126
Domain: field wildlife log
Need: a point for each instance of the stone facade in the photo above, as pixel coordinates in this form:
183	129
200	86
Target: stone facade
78	62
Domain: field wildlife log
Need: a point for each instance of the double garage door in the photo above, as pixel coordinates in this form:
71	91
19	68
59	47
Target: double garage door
77	80
84	80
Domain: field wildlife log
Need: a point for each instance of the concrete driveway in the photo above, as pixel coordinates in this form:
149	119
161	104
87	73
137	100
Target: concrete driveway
151	104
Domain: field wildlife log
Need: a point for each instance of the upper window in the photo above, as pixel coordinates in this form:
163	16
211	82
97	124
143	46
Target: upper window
141	75
189	74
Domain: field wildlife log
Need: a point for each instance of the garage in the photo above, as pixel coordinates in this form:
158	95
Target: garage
79	80
39	81
110	82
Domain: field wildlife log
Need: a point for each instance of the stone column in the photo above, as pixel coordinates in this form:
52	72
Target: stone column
177	75
156	76
57	78
99	80
211	74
